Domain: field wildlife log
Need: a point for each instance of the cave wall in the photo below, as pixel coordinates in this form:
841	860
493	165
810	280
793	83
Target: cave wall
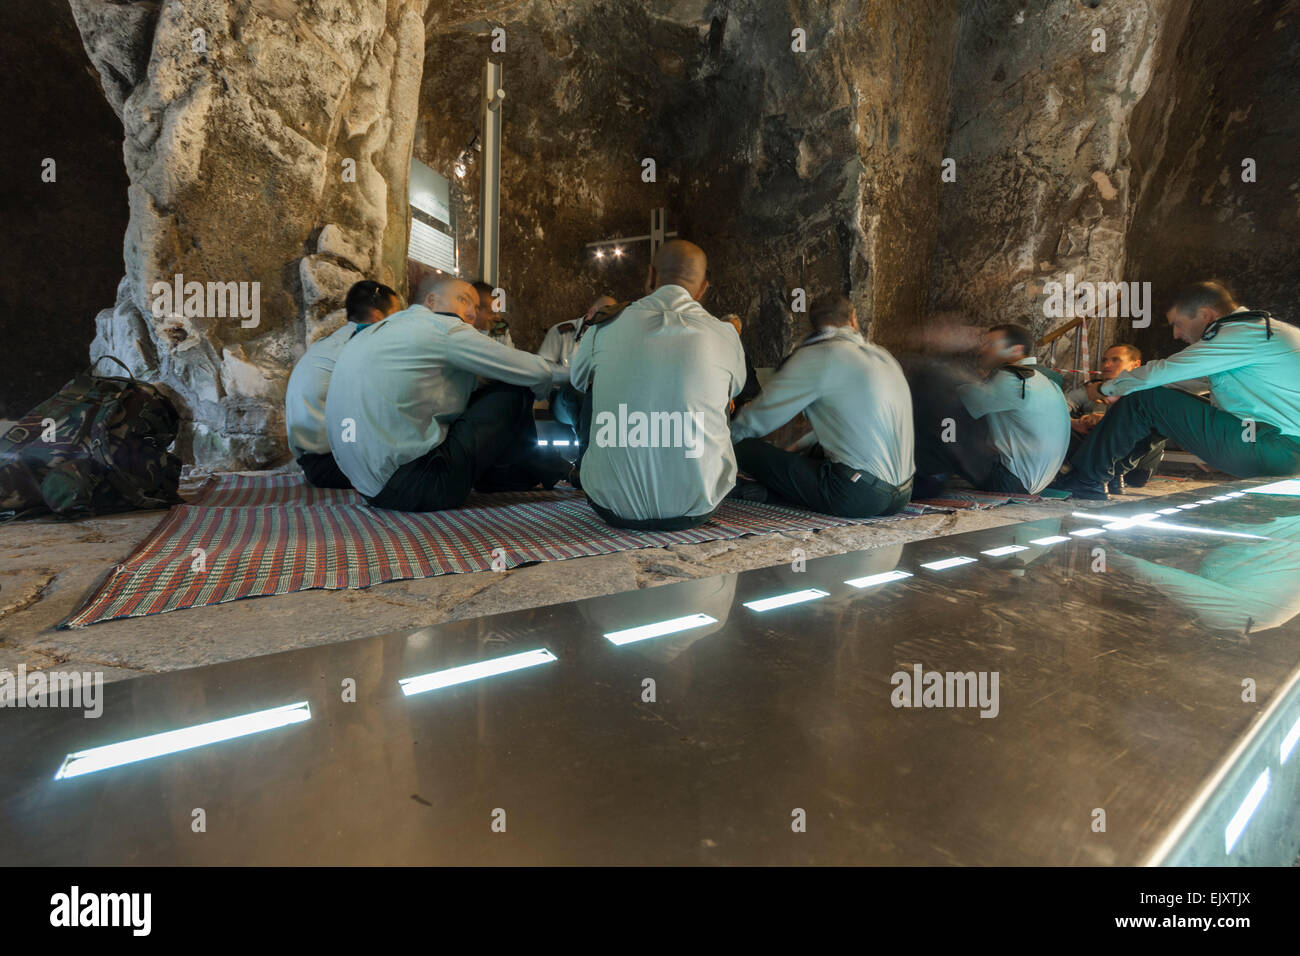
61	244
241	118
818	170
1226	93
1039	129
812	170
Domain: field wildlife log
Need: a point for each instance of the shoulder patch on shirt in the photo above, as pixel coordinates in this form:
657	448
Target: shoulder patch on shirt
606	314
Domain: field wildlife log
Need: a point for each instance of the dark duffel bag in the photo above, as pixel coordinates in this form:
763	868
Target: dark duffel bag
98	446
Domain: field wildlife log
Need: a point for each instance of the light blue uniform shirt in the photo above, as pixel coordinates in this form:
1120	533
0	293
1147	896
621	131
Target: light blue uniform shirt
399	384
663	362
309	382
856	398
1031	431
1250	376
560	342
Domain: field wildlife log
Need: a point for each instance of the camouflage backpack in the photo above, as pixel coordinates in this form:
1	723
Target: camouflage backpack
98	446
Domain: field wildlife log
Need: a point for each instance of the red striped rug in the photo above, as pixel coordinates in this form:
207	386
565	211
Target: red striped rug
257	535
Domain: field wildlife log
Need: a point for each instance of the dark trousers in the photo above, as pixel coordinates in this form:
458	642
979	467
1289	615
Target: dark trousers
322	471
937	413
1220	439
819	485
1147	455
580	402
490	447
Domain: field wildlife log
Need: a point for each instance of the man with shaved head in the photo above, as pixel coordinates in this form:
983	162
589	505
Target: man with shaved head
658	375
404	421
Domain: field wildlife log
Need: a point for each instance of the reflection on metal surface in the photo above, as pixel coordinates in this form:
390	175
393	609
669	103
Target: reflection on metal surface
186	738
785	600
1087	532
871	580
1289	741
1119	694
469	672
1247	809
1290	486
947	563
659	629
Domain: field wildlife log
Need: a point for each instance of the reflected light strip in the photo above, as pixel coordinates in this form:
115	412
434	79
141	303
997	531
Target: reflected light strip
1168	511
1187	507
561	441
1236	494
1195	530
1054	539
785	600
1206	501
480	669
646	631
1151	520
947	563
1002	552
1289	741
871	580
1221	498
541	441
1247	809
1288	486
1088	532
174	741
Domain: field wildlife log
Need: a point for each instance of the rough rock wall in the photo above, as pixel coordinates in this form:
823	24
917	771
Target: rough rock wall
813	169
1225	93
242	118
1039	130
61	244
819	169
583	106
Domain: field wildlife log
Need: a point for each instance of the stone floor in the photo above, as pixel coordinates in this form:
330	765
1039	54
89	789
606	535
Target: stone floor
48	568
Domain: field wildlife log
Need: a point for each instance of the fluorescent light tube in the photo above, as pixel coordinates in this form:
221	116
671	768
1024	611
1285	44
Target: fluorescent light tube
1001	552
1054	539
1289	741
186	738
947	563
659	629
785	600
476	671
1237	825
871	580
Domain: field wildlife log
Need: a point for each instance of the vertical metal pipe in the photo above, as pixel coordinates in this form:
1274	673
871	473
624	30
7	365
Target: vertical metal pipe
658	227
490	180
1101	341
1078	352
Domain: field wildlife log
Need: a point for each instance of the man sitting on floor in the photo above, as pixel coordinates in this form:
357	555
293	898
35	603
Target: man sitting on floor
488	319
558	346
658	375
1006	432
857	400
304	401
405	423
1252	428
1086	413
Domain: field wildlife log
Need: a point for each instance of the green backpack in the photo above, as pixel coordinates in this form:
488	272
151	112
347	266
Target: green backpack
98	446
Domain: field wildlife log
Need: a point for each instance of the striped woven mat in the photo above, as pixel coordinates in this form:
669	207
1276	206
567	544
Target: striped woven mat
257	535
